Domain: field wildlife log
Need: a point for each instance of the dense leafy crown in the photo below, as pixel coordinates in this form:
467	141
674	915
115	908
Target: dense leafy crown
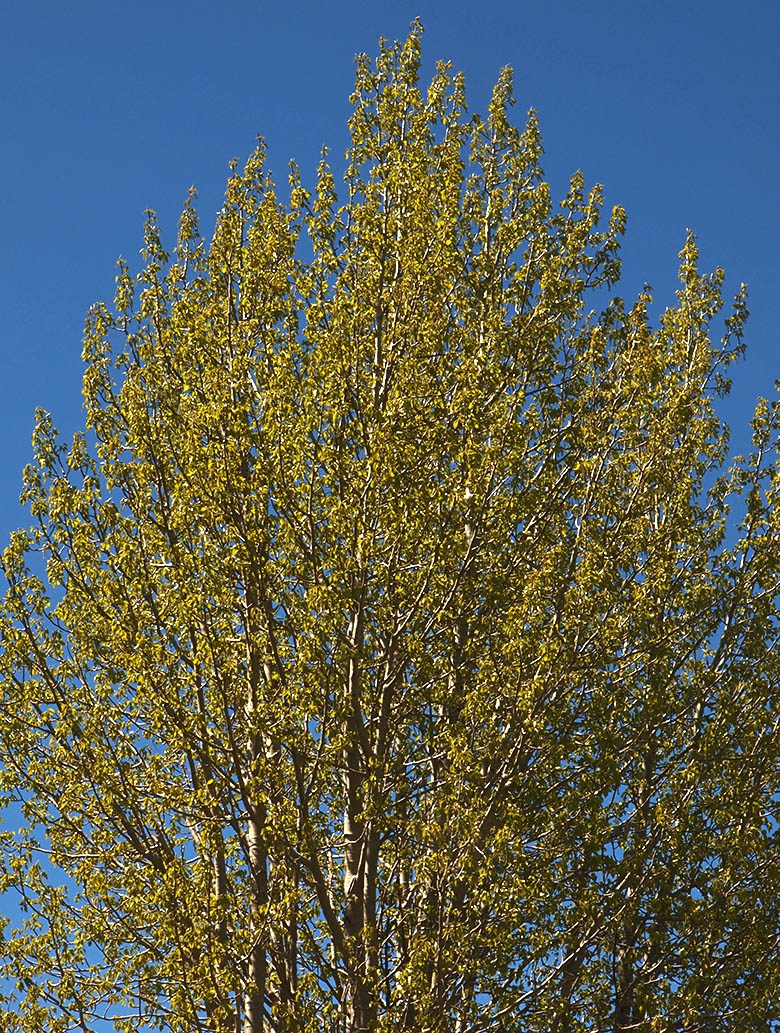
382	656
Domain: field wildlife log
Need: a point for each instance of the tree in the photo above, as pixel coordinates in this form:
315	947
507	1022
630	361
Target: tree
396	648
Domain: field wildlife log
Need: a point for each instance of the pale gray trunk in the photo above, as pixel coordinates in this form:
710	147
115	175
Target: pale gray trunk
360	854
254	997
257	854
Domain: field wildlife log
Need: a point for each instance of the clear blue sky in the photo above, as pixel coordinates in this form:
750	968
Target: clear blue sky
109	108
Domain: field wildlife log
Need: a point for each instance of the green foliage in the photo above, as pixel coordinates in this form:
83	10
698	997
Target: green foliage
379	658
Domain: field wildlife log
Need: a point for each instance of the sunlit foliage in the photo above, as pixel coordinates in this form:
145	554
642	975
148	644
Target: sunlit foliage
395	649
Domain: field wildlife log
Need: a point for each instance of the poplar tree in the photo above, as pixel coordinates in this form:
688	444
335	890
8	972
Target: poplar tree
395	648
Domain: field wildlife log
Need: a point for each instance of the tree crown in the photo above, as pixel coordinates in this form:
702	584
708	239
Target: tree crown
378	658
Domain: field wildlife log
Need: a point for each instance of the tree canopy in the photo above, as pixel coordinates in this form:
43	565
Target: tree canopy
395	649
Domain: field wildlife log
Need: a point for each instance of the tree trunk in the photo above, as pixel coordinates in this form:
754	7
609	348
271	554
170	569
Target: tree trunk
254	997
360	854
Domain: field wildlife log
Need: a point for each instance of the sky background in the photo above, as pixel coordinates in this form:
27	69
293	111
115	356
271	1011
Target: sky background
108	109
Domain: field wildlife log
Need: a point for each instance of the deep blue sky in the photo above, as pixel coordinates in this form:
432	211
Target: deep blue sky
109	108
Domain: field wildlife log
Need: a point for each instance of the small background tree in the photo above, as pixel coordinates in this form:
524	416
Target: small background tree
378	658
